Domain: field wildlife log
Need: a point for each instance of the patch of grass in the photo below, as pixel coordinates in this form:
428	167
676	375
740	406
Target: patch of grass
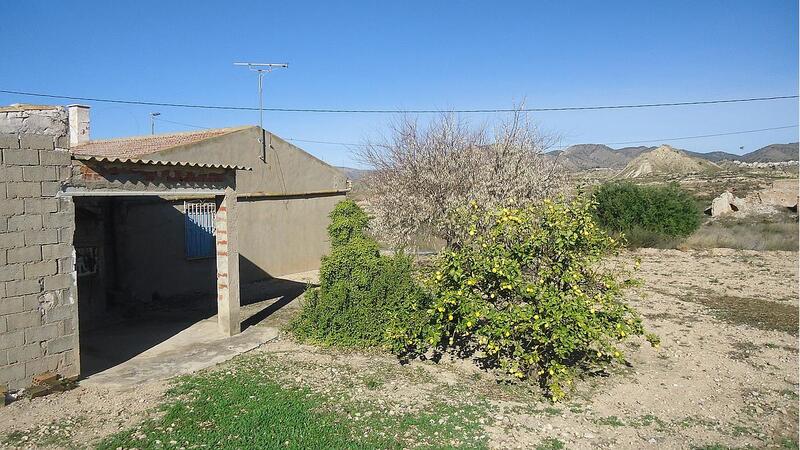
761	314
739	430
247	405
551	411
550	444
714	447
373	381
611	421
695	421
55	434
648	420
743	350
790	394
788	443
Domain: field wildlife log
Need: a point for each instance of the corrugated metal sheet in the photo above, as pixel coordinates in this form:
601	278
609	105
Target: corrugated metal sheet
116	159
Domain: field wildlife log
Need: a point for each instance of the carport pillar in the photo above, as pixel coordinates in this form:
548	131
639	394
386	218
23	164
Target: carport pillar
227	264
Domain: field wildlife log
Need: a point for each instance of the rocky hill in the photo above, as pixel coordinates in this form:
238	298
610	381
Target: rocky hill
773	153
593	156
666	160
352	173
714	156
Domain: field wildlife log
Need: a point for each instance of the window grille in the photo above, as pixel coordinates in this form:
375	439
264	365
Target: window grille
199	229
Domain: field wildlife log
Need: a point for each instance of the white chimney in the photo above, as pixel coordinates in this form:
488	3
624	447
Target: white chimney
78	124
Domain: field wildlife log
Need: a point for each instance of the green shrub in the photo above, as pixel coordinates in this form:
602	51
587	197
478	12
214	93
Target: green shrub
348	221
524	293
361	292
646	211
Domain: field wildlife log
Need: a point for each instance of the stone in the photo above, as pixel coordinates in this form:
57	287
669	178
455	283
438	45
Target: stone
24	353
722	204
9	140
39	173
24	320
34	237
37	141
25	254
12	372
24	189
34	271
42	333
11	305
54	158
21	157
25	222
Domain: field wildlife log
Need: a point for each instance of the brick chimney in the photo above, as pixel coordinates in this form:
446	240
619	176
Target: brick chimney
78	124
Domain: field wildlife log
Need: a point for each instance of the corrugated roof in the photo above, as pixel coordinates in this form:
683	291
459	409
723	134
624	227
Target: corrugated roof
117	159
138	146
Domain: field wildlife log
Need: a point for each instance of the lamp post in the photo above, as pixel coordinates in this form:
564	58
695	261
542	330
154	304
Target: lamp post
153	116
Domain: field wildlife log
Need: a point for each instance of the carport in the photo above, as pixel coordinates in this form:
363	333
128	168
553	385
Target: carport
98	180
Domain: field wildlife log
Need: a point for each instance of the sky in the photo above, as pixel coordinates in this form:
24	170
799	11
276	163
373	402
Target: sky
415	55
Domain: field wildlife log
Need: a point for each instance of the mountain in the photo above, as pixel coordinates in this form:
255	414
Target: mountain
352	173
773	153
665	160
592	156
714	156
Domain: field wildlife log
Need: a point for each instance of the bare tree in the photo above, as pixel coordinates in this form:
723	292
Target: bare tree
421	175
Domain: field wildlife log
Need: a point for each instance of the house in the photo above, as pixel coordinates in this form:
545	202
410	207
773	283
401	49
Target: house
92	228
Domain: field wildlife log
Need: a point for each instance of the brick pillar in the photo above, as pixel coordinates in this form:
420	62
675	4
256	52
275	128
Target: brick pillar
227	265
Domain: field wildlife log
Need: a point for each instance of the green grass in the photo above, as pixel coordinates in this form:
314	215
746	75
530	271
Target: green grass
247	406
550	444
611	421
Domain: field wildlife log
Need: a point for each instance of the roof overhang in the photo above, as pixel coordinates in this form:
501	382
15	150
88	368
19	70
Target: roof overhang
92	176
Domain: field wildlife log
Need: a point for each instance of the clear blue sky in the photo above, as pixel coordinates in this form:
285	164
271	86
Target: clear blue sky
409	54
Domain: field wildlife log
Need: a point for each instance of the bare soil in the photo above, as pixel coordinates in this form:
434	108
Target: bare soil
726	372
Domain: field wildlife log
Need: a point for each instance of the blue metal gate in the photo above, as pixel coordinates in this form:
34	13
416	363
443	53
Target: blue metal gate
200	231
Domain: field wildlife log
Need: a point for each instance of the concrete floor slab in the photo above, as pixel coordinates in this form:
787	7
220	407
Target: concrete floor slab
197	347
165	344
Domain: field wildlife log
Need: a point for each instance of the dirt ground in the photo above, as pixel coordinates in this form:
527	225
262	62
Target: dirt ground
726	372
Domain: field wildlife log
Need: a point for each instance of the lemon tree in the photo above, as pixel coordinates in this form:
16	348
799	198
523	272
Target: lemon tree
524	292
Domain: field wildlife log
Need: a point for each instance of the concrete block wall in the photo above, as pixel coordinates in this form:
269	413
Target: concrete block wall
38	291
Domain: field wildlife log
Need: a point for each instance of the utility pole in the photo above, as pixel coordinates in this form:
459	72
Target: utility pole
153	121
262	68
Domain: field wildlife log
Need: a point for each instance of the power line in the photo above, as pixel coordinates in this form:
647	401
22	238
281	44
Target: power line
401	111
703	135
681	138
182	124
350	144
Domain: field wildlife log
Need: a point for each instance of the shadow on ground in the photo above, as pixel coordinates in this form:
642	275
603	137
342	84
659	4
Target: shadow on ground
163	334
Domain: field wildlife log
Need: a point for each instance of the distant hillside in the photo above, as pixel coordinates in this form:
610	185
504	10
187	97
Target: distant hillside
773	153
352	173
714	156
666	160
593	156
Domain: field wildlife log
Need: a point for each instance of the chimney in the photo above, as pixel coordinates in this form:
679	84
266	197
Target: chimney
78	124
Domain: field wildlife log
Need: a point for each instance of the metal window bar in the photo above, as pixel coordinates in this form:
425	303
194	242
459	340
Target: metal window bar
199	229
